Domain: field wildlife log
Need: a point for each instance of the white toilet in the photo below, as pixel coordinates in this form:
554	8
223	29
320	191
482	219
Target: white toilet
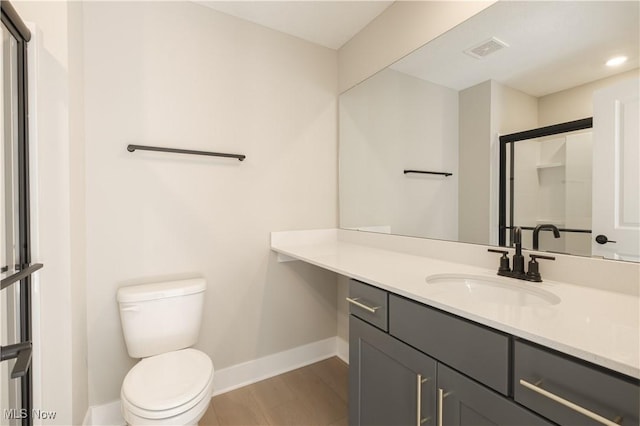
172	383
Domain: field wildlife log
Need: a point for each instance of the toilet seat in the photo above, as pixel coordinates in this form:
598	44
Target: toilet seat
168	384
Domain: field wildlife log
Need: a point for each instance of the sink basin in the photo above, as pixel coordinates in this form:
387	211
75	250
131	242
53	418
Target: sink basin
493	290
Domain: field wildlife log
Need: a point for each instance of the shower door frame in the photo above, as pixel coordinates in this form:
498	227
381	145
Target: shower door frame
507	179
23	270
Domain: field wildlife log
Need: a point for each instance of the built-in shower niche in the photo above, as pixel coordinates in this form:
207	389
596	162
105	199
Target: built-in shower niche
550	182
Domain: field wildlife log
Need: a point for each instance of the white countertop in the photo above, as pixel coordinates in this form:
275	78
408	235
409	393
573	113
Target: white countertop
595	325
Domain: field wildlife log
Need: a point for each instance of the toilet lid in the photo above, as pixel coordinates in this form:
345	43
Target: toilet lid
168	380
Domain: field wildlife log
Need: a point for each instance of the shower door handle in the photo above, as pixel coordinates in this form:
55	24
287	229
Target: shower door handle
22	353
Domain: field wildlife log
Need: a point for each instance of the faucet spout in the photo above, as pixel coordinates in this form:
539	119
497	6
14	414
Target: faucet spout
517	240
536	232
518	258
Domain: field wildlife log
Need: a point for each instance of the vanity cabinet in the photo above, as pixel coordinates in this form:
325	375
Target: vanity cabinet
419	365
391	383
394	381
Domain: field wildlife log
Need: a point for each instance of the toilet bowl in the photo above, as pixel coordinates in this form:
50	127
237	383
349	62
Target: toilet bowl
172	383
172	388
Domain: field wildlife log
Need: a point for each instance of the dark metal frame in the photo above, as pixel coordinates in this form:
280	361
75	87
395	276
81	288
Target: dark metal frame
14	24
585	123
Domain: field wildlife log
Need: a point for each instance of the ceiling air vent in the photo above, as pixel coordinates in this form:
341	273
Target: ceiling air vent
486	48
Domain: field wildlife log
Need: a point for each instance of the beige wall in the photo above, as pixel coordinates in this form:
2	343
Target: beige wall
473	163
400	29
182	75
577	102
389	123
77	212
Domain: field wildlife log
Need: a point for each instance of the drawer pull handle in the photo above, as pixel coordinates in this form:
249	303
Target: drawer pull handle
419	382
569	404
371	309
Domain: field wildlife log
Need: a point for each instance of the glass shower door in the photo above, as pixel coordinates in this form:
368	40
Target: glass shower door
15	251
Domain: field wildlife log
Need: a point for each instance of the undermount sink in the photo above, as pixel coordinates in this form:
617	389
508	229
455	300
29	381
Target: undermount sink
495	290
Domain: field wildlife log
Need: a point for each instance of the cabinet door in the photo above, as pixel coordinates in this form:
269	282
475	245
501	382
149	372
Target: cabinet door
390	383
464	402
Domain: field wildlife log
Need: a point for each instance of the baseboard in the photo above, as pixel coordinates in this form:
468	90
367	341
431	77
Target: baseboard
253	371
105	415
237	376
342	349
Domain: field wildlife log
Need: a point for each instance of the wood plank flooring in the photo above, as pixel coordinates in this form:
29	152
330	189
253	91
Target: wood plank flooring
312	395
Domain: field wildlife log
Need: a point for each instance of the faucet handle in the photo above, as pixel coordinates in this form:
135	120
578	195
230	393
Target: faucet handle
504	260
533	274
540	256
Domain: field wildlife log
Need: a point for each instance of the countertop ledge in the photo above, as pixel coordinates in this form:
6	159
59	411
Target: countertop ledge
595	325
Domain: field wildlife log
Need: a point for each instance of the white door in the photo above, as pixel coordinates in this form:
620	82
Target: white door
616	171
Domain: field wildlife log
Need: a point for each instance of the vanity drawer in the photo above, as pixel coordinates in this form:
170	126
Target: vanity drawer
540	376
474	350
369	304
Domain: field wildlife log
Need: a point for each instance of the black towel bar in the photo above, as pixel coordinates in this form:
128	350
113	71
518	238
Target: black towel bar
132	148
428	173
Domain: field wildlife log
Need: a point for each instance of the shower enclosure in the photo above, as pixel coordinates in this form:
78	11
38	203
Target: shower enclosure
15	251
546	181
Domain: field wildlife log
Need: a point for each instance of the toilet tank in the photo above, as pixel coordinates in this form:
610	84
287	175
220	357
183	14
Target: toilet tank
161	317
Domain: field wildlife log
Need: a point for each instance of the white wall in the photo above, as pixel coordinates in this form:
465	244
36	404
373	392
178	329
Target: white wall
389	123
181	75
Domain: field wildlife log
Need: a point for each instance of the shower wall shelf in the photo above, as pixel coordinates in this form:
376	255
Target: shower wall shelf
549	165
132	148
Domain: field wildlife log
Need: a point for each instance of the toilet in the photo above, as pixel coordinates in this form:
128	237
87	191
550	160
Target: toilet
172	383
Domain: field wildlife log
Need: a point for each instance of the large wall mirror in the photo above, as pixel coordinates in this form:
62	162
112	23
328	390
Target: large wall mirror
419	148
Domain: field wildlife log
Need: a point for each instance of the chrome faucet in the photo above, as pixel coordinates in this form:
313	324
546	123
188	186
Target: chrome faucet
536	231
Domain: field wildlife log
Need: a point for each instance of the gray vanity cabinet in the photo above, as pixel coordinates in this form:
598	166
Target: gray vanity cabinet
411	364
390	383
463	402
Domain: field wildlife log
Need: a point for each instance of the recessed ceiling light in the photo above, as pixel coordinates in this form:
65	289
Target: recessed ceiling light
618	60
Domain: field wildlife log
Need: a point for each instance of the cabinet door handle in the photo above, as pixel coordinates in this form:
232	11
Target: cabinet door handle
569	404
371	309
440	398
419	382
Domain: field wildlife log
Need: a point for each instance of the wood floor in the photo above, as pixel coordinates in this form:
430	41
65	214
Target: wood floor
312	395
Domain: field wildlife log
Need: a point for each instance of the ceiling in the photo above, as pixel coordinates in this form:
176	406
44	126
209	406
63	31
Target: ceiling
327	23
553	46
